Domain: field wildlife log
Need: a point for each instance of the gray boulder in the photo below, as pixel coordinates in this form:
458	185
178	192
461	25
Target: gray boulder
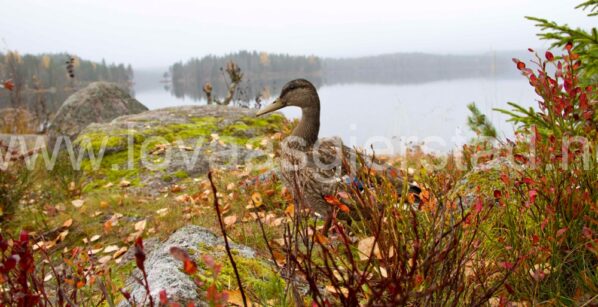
99	102
164	271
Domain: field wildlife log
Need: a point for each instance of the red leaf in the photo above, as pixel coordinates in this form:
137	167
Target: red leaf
9	85
24	237
497	194
163	297
507	265
190	267
520	65
587	232
569	46
543	224
477	207
532	196
561	231
504	178
549	56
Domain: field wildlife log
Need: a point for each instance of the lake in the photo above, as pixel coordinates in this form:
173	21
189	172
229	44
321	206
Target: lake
389	117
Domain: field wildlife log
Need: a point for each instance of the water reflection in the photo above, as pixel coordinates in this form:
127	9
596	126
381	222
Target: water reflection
433	112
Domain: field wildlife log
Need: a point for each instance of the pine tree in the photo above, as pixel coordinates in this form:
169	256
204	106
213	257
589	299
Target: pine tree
585	42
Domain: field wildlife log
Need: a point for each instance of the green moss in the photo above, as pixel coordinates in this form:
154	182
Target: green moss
259	279
181	174
114	165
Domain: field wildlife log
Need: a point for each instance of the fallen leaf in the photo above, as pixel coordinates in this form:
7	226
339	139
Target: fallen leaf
235	298
62	235
230	220
120	252
124	184
67	223
104	259
140	226
94	238
78	203
365	248
162	212
110	249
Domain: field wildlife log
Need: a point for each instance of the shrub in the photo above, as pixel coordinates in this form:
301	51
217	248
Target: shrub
550	211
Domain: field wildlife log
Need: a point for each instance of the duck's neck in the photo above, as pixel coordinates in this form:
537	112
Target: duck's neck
309	125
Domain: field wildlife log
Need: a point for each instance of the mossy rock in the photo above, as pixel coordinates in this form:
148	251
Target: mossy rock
165	272
192	139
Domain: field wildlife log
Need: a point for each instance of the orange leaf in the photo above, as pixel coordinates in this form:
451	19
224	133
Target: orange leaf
189	267
344	208
9	85
337	203
320	238
290	210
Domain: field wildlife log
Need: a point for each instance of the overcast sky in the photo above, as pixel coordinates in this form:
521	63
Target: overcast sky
149	33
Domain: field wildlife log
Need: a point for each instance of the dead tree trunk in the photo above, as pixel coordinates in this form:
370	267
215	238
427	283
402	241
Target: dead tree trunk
235	75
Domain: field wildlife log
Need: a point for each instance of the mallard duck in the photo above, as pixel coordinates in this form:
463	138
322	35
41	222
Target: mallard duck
310	167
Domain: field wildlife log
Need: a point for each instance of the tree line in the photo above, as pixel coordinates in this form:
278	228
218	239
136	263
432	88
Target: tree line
42	82
266	73
262	73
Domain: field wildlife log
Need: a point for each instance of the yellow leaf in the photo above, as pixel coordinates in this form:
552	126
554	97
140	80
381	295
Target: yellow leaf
257	199
290	210
235	298
67	223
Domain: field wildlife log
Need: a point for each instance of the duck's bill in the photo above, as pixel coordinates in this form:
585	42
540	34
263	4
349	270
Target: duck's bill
276	105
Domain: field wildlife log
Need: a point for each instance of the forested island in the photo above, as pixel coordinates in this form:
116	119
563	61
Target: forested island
265	73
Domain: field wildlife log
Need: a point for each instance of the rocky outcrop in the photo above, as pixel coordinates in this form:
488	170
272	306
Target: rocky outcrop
164	271
157	148
98	102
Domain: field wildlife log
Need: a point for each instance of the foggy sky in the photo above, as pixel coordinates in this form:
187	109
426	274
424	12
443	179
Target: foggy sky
149	33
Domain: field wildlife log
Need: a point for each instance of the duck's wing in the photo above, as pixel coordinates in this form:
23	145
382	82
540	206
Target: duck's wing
341	162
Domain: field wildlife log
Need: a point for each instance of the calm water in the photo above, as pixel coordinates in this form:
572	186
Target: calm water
391	116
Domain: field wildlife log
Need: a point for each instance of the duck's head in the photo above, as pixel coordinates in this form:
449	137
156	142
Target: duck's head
297	93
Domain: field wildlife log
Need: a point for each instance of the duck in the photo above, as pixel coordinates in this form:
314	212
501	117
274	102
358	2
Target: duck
310	167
